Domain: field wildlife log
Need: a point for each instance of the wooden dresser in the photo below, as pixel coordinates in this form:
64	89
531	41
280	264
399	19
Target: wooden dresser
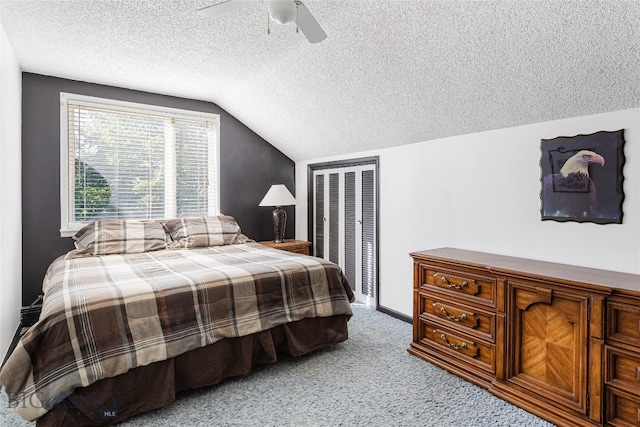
560	341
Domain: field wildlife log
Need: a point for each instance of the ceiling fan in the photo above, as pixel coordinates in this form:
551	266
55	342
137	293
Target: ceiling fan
282	11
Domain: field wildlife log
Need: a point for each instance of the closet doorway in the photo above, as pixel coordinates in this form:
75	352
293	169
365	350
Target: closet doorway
343	220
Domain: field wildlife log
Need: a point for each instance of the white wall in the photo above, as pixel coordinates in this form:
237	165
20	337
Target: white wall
482	192
10	195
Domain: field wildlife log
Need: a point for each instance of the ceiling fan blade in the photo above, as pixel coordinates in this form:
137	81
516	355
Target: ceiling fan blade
225	7
308	24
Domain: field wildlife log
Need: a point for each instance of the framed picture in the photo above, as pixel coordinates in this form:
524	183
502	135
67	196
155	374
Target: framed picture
581	178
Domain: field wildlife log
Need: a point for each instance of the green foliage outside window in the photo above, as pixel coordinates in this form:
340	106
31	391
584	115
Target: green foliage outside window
92	193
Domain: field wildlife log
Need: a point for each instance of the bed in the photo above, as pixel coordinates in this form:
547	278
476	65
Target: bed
142	310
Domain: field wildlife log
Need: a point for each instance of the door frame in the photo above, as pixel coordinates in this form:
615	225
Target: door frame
362	161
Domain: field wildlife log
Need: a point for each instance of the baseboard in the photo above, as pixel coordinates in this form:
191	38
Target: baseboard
395	314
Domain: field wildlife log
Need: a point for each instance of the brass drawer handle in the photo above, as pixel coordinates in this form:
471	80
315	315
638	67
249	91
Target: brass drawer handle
452	317
453	285
462	345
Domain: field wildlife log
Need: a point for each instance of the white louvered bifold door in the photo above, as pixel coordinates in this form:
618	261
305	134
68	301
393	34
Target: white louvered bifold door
368	236
344	224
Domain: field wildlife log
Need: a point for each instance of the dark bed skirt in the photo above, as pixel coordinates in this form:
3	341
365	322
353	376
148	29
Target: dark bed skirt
112	400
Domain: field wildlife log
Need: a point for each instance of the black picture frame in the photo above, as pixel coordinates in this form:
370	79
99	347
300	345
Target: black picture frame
567	194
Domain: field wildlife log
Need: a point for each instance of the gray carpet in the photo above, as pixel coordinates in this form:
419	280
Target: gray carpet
369	380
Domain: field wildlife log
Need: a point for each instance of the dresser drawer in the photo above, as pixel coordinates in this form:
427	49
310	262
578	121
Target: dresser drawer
623	323
622	409
453	344
471	320
623	369
304	250
462	284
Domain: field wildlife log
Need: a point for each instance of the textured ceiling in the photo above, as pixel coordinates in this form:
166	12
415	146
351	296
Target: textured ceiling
391	72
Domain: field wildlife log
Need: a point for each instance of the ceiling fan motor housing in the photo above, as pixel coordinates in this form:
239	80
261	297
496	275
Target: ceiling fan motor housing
283	11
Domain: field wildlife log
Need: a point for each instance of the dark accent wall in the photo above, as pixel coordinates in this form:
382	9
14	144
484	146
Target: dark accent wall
248	167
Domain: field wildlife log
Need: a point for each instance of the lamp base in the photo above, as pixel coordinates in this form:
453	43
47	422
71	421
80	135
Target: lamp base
279	224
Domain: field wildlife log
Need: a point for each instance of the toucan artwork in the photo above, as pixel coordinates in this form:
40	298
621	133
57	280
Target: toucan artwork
582	178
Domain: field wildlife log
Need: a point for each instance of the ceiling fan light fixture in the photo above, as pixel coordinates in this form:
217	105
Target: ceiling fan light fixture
283	11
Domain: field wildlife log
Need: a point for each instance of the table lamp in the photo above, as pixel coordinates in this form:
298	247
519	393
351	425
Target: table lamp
278	196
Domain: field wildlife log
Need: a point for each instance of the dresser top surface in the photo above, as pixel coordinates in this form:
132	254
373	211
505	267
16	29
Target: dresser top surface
597	278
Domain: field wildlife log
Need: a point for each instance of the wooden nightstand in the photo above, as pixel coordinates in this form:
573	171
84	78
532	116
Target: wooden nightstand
290	245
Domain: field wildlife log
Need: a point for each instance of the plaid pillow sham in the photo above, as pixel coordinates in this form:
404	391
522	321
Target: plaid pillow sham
119	237
203	231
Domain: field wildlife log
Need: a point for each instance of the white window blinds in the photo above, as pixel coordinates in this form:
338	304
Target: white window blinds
133	161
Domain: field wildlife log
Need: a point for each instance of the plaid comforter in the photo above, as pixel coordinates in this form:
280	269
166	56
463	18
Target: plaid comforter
105	315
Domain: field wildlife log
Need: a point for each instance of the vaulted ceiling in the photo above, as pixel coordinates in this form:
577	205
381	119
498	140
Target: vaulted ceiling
391	72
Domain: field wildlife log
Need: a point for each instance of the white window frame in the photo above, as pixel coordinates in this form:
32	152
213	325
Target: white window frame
69	228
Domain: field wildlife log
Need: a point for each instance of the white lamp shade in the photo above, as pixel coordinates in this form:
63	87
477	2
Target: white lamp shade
278	195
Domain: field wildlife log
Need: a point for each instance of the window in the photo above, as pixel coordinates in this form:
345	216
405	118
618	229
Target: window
121	160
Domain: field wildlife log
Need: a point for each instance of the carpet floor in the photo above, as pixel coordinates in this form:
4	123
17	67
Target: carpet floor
369	380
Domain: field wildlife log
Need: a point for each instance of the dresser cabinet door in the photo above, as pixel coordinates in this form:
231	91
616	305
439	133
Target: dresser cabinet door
548	357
